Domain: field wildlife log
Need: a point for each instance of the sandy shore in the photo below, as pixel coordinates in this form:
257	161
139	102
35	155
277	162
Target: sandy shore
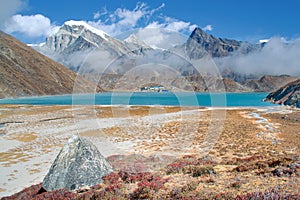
31	136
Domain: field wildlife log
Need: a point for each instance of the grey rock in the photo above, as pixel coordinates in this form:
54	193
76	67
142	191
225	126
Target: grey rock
78	164
287	95
201	44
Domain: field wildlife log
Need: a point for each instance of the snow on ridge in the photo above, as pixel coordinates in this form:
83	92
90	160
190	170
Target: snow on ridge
87	26
37	45
264	41
135	40
132	39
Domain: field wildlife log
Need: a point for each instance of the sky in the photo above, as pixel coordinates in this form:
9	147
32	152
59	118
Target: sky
31	21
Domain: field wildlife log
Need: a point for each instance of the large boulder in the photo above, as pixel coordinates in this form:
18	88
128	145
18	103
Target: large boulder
78	164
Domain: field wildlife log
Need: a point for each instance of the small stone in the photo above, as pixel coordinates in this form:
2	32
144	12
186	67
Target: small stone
78	164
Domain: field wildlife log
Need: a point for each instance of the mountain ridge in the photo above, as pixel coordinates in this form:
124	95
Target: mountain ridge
200	44
123	56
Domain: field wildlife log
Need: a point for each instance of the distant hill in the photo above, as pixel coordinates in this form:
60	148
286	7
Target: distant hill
25	72
269	83
287	95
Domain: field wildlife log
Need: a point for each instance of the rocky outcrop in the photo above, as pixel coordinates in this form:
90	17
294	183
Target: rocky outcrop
78	164
286	95
200	44
25	72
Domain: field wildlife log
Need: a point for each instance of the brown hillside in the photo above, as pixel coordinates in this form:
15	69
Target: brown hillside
25	72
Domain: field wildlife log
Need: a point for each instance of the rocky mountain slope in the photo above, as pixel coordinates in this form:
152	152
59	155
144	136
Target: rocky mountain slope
200	44
287	95
25	72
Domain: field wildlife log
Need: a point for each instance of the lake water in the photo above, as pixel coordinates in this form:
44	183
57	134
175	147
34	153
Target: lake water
148	98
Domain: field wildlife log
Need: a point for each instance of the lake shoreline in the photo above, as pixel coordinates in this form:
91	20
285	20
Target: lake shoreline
147	99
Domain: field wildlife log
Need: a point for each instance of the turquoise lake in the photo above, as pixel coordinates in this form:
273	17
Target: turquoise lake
148	98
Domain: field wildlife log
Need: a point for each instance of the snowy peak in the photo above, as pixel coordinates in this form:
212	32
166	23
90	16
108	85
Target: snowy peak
76	39
79	26
135	40
136	45
71	33
263	41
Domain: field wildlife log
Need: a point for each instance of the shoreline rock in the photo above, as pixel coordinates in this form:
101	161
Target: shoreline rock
287	95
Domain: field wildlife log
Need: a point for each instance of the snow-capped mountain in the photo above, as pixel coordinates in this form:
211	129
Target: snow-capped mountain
71	32
76	39
91	52
136	45
134	40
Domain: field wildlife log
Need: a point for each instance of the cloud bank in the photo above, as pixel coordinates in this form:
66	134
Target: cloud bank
277	57
31	26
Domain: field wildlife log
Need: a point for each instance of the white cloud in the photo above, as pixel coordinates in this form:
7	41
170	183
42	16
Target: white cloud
151	35
97	15
157	9
178	26
192	27
110	29
166	34
154	28
131	17
32	25
154	25
158	36
122	19
9	8
277	57
208	28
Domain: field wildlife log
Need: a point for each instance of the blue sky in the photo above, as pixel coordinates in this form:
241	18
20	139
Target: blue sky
31	21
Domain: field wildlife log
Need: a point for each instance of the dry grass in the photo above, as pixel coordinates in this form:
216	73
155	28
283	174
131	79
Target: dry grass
24	137
179	135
